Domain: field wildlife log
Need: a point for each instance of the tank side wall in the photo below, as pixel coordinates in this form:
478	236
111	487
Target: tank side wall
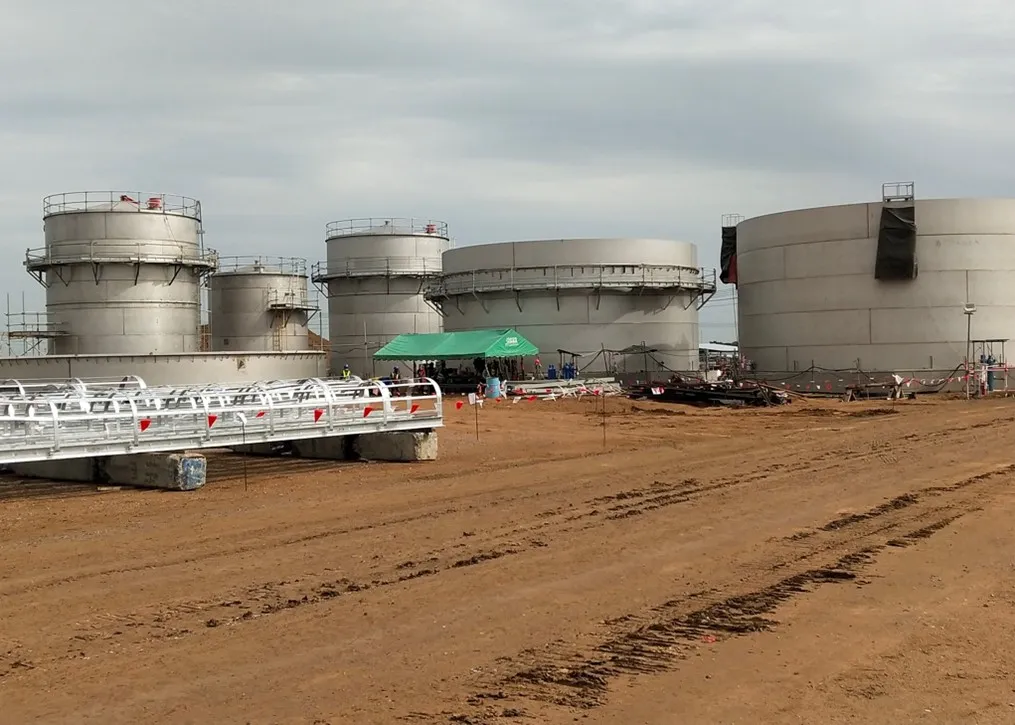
155	315
171	370
808	295
578	326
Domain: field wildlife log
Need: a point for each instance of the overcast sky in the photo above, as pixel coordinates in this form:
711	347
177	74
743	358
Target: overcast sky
509	119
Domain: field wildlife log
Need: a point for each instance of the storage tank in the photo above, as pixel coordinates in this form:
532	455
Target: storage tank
580	295
880	286
122	272
260	304
374	278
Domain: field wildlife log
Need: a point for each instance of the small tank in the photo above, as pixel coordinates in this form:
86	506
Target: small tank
260	304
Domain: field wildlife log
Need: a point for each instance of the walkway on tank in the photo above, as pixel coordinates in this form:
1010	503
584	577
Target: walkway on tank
68	419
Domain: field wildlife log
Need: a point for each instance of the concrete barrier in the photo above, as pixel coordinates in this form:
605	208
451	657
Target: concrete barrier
169	471
399	447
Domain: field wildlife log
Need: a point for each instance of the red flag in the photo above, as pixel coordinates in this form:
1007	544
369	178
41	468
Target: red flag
458	405
211	420
317	414
145	423
260	414
413	409
367	411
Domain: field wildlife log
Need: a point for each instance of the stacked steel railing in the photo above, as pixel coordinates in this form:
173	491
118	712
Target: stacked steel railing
52	420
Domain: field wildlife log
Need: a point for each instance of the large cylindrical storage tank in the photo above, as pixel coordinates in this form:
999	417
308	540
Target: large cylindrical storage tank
122	272
809	294
581	295
259	304
375	276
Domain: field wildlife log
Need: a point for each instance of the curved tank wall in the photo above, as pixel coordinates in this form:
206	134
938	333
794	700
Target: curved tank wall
375	275
581	294
191	369
259	304
122	272
807	292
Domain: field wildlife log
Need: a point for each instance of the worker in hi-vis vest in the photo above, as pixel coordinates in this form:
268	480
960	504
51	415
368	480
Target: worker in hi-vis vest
346	372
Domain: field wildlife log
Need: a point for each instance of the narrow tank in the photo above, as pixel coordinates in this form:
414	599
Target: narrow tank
374	278
260	304
122	272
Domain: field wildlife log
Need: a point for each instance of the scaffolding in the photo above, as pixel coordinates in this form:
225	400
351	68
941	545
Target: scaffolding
26	334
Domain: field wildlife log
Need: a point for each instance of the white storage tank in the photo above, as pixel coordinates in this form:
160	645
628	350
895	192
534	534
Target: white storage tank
260	304
374	279
580	295
122	272
881	286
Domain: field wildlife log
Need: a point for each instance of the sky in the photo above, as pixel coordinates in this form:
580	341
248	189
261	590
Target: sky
508	119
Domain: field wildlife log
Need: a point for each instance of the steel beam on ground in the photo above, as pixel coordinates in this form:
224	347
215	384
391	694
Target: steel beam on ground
72	420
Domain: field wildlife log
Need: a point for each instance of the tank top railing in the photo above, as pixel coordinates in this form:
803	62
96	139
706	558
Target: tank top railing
72	202
393	226
376	267
563	277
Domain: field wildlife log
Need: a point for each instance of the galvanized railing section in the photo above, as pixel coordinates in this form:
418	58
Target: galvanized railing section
102	251
377	267
74	420
121	201
294	266
562	277
391	225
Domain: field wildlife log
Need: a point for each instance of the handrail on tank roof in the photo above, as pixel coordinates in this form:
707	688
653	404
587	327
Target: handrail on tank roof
394	226
72	202
296	266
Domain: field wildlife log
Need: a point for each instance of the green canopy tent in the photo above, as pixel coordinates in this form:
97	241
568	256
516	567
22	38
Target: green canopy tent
457	346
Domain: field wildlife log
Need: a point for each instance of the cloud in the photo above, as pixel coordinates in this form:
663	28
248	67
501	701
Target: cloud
507	118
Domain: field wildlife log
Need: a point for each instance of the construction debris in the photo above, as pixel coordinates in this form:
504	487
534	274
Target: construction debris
704	394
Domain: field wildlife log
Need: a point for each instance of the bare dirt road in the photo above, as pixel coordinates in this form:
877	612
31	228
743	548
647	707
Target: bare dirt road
820	563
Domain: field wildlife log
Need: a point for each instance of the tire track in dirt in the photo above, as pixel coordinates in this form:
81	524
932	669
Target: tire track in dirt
666	635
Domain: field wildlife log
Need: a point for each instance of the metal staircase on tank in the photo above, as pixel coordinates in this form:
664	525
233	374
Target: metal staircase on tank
282	306
57	420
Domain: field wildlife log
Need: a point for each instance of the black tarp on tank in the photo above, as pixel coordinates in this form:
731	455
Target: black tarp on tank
728	256
896	258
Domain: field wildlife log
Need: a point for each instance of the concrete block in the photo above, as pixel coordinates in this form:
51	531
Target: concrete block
169	471
399	446
403	446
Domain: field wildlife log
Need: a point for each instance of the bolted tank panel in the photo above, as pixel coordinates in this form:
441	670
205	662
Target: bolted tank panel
122	272
808	294
260	304
375	275
581	295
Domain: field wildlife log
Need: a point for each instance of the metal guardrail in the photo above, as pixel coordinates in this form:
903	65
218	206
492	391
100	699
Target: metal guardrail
295	266
377	267
69	420
101	251
394	226
564	277
121	201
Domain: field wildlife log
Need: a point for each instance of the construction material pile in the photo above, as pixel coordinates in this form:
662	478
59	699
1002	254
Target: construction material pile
705	394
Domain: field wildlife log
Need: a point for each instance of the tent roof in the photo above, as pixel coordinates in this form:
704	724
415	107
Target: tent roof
457	346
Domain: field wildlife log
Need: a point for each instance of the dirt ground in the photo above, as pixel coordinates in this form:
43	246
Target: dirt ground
819	563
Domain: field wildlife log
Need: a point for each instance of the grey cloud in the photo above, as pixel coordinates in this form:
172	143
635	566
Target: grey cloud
268	111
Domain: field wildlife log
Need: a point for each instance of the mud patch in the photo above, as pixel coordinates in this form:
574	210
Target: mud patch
899	502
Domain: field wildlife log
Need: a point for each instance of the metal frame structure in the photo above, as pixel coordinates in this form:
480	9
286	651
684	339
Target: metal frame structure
59	420
898	191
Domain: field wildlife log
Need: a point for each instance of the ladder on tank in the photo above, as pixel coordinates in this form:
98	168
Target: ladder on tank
70	419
